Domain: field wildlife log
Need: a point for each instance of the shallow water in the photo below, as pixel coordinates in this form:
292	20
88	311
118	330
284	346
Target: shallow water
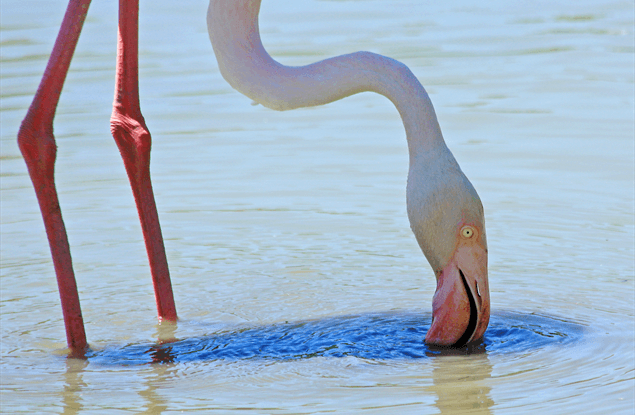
284	228
382	336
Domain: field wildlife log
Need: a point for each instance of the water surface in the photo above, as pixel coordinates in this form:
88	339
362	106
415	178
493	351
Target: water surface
295	222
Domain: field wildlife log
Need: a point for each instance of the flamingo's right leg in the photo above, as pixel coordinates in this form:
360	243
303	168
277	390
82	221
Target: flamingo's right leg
133	139
37	144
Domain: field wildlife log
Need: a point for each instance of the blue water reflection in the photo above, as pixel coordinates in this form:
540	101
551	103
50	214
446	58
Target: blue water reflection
383	336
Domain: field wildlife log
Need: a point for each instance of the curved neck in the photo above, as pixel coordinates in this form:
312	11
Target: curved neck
247	67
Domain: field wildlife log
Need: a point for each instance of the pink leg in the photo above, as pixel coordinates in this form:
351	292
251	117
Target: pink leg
133	139
37	144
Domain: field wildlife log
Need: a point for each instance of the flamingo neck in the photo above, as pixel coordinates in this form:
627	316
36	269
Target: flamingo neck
247	67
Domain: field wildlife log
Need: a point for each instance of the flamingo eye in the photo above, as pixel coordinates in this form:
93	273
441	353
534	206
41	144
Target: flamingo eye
467	232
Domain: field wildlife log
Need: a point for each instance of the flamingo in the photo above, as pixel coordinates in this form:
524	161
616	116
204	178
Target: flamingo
445	211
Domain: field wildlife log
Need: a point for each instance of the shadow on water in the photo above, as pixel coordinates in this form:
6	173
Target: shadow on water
388	335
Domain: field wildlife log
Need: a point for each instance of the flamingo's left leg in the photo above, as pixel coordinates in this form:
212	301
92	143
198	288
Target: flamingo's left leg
37	144
133	139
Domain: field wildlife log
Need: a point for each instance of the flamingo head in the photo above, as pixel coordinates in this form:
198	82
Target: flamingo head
446	216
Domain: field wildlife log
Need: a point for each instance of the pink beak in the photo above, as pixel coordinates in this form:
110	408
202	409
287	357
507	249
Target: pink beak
460	308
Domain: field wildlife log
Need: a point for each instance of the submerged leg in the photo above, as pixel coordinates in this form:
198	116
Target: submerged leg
37	144
133	139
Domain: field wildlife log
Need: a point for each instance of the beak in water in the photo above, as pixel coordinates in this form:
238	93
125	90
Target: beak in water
460	308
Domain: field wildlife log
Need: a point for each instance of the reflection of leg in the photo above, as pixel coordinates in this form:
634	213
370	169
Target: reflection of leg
133	139
74	385
38	147
156	402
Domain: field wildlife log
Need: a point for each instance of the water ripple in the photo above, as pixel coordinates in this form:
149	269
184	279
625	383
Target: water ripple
383	336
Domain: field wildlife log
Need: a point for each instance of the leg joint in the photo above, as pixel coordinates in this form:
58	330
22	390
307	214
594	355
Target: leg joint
130	132
37	145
